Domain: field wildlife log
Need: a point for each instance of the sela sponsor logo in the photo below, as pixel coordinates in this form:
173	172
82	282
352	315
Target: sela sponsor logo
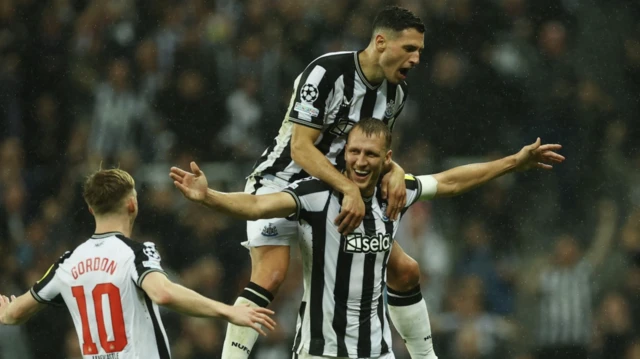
388	112
241	347
306	109
269	230
359	243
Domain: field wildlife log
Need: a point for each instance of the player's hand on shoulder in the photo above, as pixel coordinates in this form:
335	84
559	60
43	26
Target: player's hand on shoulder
351	213
4	304
193	185
256	318
394	190
537	155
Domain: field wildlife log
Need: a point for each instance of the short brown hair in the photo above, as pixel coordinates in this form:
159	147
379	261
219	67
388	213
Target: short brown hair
104	190
372	126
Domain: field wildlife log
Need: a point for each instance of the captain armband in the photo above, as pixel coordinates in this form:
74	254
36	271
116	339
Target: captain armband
429	186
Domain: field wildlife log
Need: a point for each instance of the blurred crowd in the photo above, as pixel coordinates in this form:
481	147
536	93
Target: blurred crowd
147	84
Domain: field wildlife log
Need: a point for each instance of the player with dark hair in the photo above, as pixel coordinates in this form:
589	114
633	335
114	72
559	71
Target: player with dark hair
342	312
112	285
330	96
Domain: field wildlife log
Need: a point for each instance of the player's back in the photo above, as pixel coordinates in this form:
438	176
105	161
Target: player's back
100	284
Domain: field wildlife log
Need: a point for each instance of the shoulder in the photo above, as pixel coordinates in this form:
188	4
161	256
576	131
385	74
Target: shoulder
333	62
308	185
146	249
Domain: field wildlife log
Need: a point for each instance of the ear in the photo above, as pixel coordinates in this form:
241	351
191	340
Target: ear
380	41
91	211
131	204
387	158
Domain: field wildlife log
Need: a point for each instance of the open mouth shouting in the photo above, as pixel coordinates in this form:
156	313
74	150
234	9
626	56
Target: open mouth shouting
403	72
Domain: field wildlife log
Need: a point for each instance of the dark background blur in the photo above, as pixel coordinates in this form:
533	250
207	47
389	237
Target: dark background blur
148	84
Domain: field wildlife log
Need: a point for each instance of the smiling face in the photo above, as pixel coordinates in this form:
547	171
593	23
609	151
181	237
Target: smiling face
366	155
399	52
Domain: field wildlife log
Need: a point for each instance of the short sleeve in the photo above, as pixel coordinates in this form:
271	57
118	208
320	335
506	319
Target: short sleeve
414	190
47	290
311	94
147	260
310	194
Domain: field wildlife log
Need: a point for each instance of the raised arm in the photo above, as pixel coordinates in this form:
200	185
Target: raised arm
461	179
15	311
164	292
306	154
194	186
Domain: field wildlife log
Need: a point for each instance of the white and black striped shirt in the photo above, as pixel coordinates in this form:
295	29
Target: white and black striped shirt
99	282
342	313
331	95
565	305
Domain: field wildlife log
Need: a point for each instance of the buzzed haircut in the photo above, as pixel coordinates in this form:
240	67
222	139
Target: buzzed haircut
397	19
104	190
371	126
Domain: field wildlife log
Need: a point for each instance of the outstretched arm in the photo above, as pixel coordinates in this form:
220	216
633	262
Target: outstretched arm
194	186
15	311
461	179
164	292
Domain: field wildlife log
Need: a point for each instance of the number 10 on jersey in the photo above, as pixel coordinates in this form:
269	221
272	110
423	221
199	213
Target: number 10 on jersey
112	292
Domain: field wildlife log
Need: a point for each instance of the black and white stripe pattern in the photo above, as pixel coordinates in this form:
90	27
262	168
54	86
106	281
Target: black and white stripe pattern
565	306
330	95
342	312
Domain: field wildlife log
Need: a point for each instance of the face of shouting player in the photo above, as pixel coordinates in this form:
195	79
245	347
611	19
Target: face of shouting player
399	52
365	159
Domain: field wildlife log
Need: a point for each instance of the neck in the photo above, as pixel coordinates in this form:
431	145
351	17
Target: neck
368	60
120	224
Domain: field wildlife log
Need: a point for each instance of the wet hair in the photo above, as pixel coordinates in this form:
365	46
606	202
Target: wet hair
397	19
104	190
372	126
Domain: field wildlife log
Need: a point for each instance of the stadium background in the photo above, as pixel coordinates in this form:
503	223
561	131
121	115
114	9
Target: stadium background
152	83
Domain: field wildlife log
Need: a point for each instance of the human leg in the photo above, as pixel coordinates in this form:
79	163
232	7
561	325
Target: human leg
407	308
268	242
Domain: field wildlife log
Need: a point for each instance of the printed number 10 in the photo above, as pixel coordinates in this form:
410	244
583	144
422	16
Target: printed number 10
117	319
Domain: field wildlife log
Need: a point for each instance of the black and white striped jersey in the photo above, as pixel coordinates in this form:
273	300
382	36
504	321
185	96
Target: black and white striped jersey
342	312
330	95
99	282
565	305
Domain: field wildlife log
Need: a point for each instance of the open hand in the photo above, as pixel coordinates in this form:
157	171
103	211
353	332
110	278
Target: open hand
255	318
536	155
194	185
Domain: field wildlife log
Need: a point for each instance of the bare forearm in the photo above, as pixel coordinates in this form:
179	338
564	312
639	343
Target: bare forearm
317	165
187	301
464	178
240	205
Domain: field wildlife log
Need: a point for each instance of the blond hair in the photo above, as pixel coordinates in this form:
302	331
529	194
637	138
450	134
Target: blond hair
104	190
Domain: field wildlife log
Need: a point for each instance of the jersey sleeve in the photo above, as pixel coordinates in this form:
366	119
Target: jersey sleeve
312	90
47	290
414	190
310	195
147	260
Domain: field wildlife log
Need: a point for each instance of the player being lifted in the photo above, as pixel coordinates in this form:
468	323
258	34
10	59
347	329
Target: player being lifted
342	310
112	285
332	94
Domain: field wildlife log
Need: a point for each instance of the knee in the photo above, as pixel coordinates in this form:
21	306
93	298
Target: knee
404	275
